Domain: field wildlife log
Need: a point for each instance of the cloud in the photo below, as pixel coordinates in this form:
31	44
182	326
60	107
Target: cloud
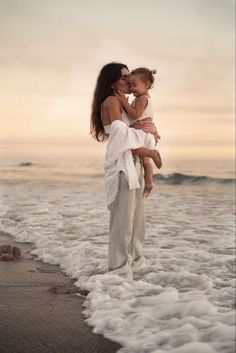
51	53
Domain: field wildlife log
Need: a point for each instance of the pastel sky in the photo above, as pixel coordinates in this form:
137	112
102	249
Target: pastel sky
51	52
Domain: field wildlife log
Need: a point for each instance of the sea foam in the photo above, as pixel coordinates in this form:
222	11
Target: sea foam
182	301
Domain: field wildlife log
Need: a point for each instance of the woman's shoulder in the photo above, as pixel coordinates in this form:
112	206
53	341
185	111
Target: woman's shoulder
110	110
110	100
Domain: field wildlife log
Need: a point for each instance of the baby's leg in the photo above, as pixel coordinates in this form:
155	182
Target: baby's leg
148	176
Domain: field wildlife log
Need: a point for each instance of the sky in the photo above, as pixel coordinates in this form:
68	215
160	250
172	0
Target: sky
51	52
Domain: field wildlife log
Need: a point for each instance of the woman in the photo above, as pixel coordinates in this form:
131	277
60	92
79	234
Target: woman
123	170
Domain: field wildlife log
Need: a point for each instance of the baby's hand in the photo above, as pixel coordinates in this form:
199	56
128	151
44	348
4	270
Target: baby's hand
121	97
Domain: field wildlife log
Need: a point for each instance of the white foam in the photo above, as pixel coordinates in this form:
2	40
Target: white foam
182	301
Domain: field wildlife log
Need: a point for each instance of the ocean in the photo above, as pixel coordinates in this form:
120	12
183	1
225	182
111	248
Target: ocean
184	300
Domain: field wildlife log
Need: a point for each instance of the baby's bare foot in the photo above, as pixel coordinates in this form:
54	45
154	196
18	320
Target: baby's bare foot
157	158
147	189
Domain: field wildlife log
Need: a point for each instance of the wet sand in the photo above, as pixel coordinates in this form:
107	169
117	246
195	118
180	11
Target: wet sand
39	311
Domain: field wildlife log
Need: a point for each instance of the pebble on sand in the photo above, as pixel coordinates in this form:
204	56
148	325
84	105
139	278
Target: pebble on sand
9	253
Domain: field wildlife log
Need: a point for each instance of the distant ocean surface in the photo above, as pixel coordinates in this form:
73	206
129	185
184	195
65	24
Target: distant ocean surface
184	300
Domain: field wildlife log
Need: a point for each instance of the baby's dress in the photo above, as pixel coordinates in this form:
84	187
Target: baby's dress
147	113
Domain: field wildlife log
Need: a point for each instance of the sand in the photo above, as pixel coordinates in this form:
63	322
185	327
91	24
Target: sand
39	310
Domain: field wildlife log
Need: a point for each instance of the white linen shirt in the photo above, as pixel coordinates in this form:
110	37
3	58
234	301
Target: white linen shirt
122	139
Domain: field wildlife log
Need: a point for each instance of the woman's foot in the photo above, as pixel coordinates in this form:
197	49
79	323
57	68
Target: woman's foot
140	263
124	272
155	155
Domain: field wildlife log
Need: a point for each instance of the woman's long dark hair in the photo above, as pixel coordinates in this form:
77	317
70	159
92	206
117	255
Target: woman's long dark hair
109	74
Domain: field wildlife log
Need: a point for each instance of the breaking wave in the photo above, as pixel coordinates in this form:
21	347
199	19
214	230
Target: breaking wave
178	178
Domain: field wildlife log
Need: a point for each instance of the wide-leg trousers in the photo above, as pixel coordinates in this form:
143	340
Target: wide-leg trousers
127	222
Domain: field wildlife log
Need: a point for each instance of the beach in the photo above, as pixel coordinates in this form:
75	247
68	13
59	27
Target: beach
41	309
182	301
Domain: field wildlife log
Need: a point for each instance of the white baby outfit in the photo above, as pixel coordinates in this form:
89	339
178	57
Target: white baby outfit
148	110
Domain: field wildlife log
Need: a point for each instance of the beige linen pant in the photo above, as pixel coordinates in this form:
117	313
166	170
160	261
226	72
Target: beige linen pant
127	222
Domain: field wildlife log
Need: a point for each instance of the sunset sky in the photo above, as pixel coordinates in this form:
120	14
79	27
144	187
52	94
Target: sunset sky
51	52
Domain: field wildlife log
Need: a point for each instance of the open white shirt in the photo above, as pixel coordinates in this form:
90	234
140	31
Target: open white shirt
122	139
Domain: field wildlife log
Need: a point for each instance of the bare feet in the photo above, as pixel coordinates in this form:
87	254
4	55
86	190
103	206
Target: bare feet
147	189
156	158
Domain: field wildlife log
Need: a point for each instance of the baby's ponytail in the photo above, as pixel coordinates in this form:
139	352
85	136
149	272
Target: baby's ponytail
146	74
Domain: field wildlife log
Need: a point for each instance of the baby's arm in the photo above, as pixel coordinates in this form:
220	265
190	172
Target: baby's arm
136	111
148	176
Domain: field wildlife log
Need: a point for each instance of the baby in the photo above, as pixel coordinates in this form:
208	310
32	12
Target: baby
140	113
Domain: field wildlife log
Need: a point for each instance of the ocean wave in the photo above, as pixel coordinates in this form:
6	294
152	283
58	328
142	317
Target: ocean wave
179	178
25	164
182	301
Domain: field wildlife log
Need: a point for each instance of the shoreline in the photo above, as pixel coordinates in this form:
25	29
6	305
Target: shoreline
40	311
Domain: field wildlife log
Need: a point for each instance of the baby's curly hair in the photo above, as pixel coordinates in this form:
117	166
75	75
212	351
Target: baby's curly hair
146	75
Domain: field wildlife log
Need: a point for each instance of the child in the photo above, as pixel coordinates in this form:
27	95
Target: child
141	113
